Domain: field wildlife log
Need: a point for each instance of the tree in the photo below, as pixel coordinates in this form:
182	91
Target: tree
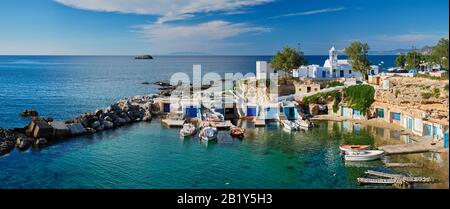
400	61
413	59
288	59
358	56
439	53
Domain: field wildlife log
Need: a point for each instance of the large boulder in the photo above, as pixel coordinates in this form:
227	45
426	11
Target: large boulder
95	124
108	118
76	129
98	112
29	113
60	129
90	130
41	142
108	124
314	109
42	130
24	143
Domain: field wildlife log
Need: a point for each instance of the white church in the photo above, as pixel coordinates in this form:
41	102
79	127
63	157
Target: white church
332	68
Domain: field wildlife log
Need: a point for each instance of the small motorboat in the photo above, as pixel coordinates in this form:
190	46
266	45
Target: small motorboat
304	124
208	133
237	132
289	125
363	155
349	148
188	130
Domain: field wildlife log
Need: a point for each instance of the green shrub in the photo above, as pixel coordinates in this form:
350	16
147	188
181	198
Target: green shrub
426	95
397	92
446	87
436	93
336	94
335	83
359	97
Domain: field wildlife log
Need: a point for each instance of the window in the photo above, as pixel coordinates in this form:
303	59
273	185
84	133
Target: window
380	113
350	72
396	116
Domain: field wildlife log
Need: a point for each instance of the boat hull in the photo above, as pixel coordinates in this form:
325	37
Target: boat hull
367	155
350	148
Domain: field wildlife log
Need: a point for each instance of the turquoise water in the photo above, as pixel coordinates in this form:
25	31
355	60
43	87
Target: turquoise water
66	86
148	155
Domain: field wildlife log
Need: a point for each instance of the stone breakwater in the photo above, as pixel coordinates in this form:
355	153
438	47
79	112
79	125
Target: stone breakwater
40	131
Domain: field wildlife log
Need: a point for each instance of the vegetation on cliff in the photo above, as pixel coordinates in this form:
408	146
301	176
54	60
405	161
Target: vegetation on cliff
316	98
359	97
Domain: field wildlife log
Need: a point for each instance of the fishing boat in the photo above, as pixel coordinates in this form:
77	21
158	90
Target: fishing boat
363	155
237	132
188	130
288	125
208	133
349	148
304	124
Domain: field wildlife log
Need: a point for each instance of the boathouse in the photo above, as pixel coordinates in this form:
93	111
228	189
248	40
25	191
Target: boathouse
191	109
270	111
415	121
290	110
165	105
348	112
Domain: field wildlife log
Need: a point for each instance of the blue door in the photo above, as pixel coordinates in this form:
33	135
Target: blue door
356	113
341	73
251	111
191	112
344	111
446	140
435	132
324	74
427	130
409	123
166	107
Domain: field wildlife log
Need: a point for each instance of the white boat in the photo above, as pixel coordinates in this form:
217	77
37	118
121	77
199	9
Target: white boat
353	148
363	155
304	124
208	133
288	125
187	130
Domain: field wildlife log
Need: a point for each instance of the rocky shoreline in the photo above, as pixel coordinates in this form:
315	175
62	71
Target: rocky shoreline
40	131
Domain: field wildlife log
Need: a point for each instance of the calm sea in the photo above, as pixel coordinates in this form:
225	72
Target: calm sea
65	86
147	155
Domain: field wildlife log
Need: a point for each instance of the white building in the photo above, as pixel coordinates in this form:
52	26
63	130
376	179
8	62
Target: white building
263	70
332	68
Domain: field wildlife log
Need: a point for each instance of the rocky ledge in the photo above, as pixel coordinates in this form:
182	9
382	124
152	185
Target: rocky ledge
40	130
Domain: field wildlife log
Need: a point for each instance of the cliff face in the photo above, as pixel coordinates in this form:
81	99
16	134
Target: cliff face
422	94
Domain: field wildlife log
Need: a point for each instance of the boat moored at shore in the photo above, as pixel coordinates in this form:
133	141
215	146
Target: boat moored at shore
363	155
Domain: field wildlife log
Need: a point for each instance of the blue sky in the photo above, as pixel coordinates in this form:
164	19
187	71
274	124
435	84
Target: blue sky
241	27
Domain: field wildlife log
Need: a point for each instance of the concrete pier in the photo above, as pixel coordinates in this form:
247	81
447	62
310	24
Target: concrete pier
172	123
407	148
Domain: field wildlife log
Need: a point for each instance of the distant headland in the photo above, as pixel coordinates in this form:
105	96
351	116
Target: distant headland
144	57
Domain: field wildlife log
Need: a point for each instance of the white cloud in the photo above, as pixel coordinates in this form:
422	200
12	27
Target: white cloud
167	10
412	37
201	37
311	12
